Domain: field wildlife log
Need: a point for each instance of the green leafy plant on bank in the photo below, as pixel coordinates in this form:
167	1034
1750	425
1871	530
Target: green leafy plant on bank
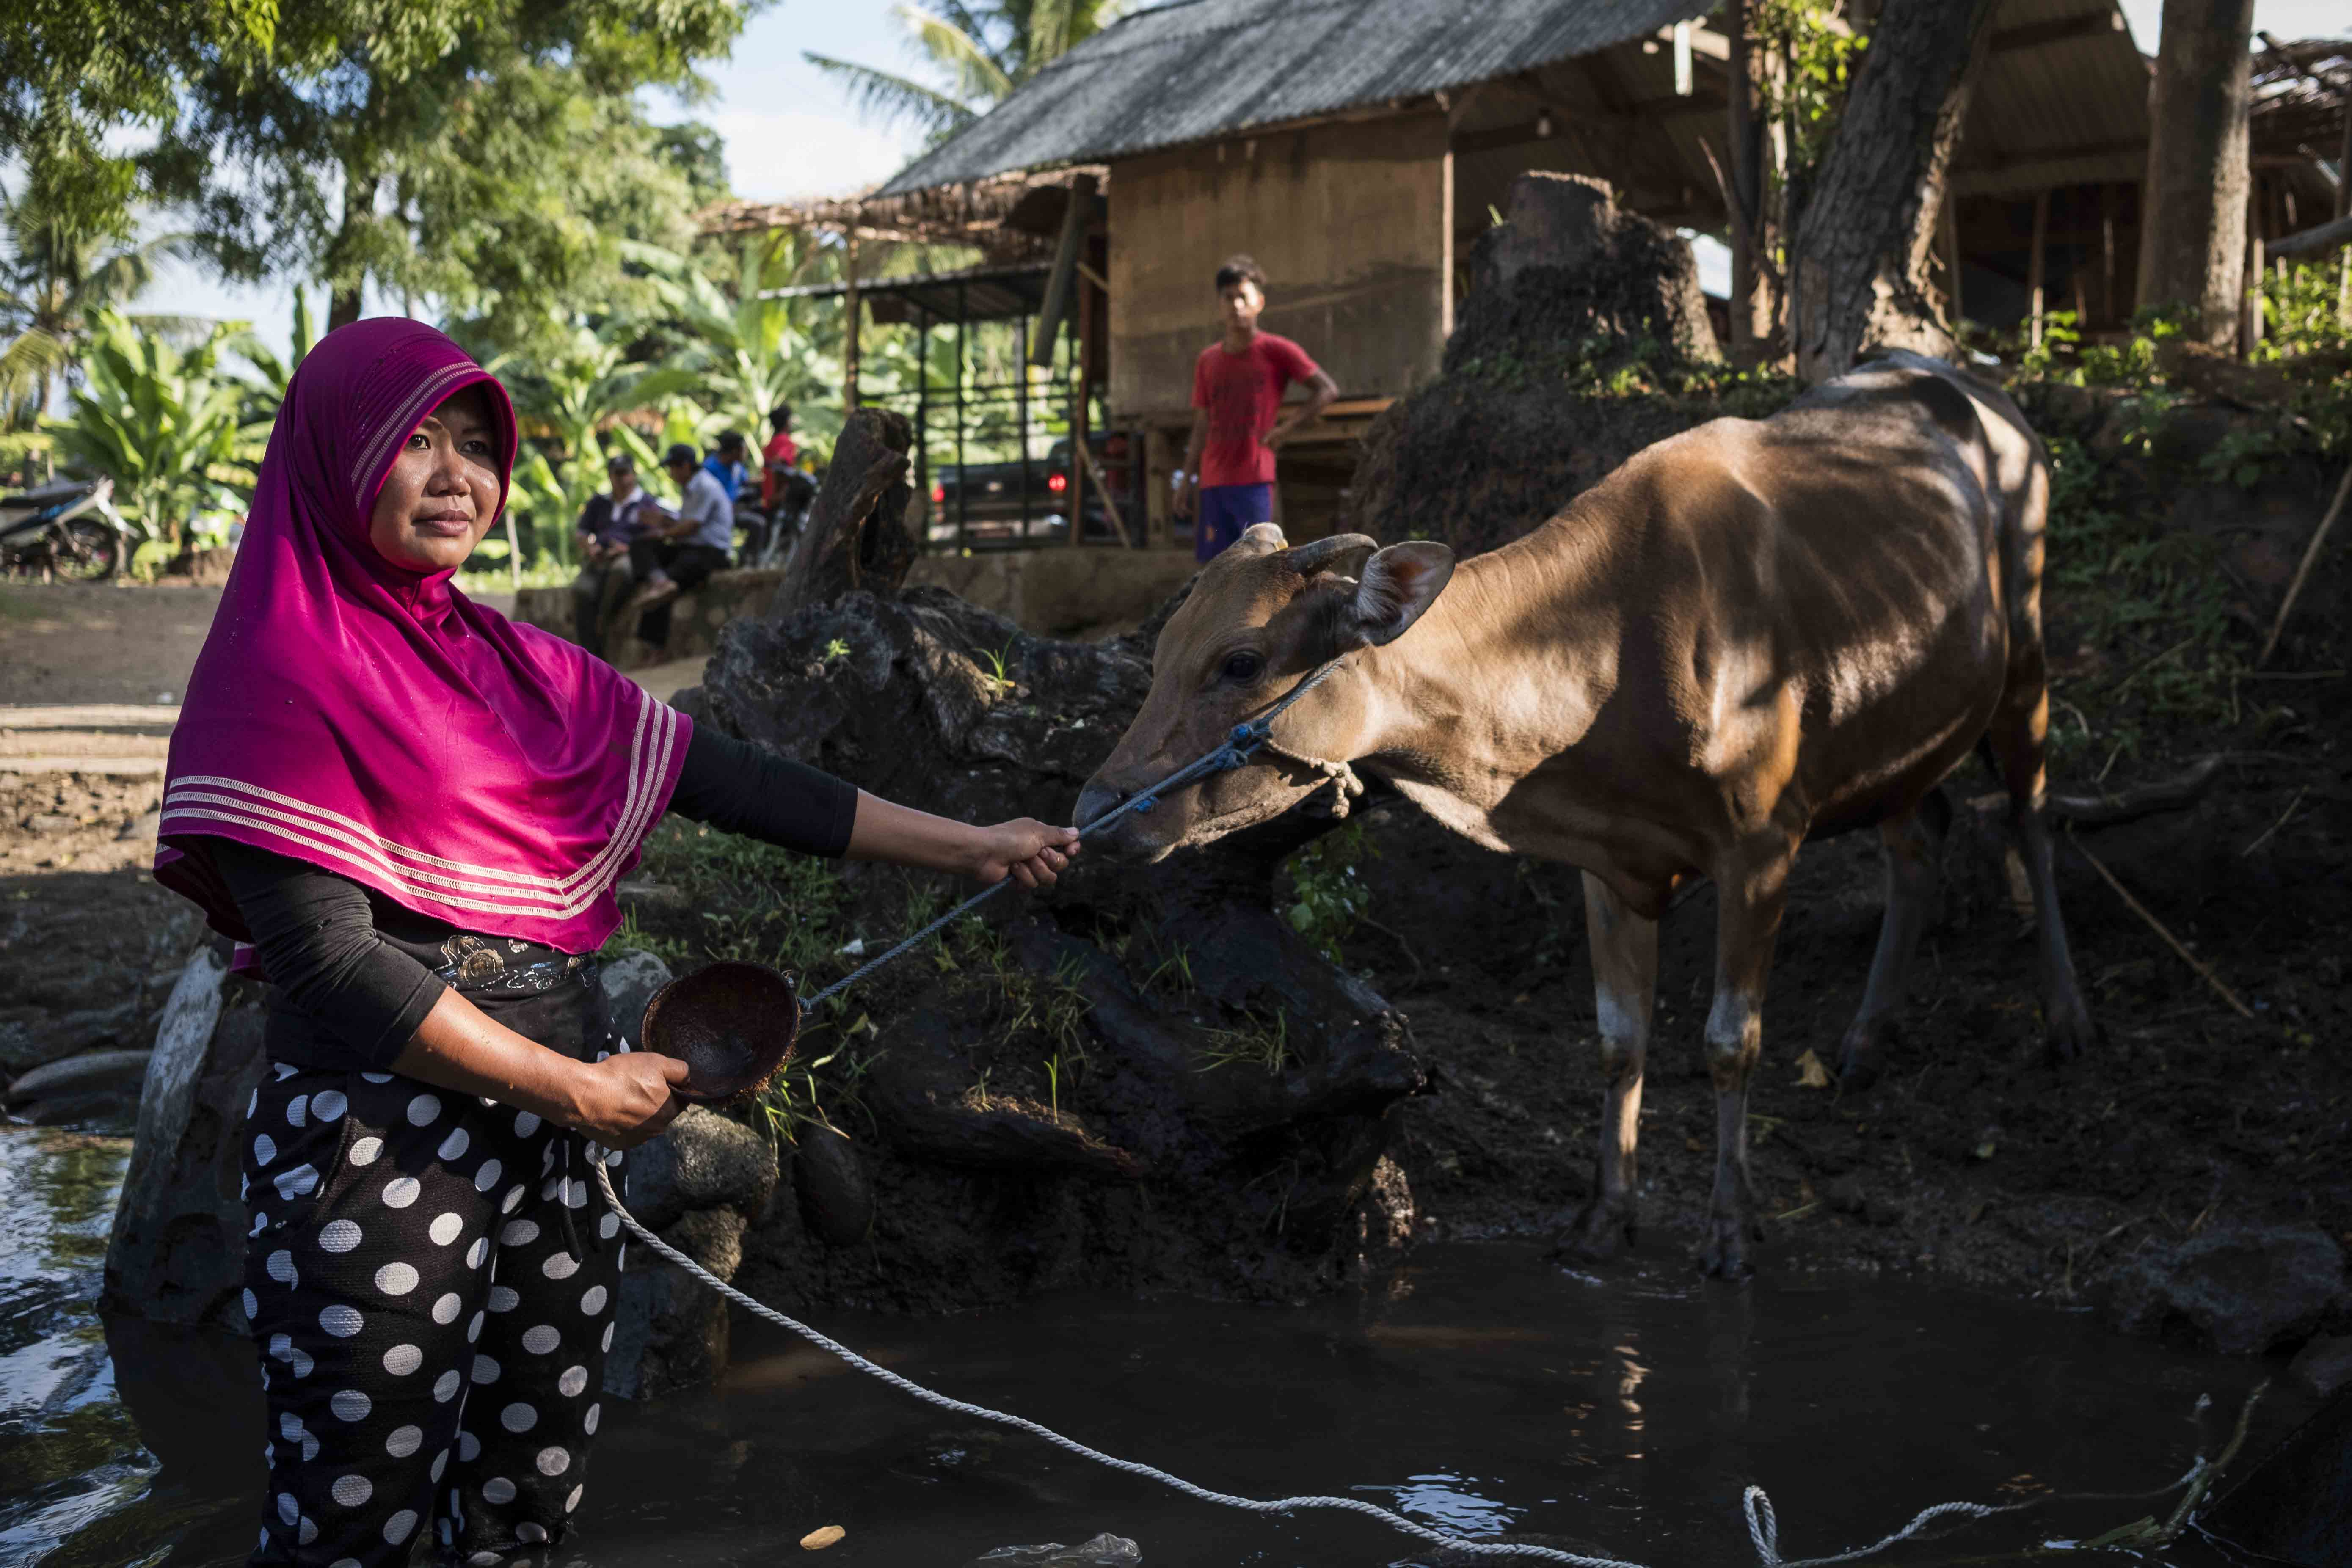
168	424
1328	899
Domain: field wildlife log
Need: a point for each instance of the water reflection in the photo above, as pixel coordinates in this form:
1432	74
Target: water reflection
1482	1390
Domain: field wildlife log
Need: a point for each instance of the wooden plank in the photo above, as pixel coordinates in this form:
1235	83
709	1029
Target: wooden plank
1350	222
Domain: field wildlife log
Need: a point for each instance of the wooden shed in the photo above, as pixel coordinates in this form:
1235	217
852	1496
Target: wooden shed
1356	148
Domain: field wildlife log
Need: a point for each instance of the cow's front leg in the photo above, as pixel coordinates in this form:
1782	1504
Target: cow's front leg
1751	894
1625	982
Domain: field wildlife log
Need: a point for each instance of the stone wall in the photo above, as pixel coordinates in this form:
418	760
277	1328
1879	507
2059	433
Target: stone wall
694	616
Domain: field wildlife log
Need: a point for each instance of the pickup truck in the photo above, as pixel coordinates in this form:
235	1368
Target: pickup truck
987	497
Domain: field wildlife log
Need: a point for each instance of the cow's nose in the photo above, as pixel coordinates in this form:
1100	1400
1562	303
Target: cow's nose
1097	801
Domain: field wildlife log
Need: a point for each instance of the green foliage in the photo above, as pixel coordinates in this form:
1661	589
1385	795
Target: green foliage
745	899
975	56
1256	1042
1821	55
1327	897
744	351
572	399
491	157
167	424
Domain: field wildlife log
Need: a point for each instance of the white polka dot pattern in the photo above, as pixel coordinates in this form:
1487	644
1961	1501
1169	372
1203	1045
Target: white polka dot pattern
532	1533
404	1441
487	1176
476	1254
265	1149
445	1309
341	1322
365	1151
350	1404
353	1491
445	1386
519	1233
328	1104
525	1124
593	1301
502	1300
445	1229
281	1267
469	1448
485	1370
297	1111
553	1462
422	1109
395	1278
518	1418
588	1422
402	1360
397	1527
540	1338
573	1383
560	1265
499	1490
300	1182
338	1235
401	1191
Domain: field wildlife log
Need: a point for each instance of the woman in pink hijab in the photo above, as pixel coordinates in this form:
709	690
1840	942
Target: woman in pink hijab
416	812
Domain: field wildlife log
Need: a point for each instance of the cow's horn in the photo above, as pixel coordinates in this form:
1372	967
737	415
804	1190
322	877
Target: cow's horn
1342	552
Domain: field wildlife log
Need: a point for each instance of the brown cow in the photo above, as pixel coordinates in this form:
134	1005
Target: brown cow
1751	635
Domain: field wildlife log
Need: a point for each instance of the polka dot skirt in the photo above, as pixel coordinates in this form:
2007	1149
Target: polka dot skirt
430	1279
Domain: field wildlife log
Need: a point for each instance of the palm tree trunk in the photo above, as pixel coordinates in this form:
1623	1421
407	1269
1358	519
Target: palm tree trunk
348	277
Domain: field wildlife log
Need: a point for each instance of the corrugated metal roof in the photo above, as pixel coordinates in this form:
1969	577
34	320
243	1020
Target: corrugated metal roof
1202	69
2067	102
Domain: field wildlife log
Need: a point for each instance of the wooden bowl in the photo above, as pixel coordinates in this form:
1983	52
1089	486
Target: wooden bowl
733	1025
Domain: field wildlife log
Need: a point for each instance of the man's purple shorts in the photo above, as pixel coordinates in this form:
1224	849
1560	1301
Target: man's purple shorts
1222	512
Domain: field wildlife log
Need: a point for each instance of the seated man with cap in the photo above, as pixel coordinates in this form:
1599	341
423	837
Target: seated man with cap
608	525
686	551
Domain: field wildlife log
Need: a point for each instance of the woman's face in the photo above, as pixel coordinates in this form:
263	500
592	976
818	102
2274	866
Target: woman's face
443	490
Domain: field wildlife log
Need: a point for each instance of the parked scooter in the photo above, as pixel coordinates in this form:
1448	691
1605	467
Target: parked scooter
66	529
769	536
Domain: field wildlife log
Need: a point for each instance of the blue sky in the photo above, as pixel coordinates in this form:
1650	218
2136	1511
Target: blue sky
790	132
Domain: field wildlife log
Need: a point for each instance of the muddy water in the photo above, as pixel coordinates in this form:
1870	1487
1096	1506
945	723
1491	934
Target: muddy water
1481	1390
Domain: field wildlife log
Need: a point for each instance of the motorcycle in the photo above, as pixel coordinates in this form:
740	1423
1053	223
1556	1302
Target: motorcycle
768	537
66	529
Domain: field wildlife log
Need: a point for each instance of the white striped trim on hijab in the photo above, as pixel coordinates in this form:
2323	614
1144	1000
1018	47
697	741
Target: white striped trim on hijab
190	803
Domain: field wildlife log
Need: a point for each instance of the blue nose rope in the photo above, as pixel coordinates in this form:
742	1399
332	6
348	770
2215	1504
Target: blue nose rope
1245	741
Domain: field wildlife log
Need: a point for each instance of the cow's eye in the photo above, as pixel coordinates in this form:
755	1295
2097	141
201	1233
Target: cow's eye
1242	666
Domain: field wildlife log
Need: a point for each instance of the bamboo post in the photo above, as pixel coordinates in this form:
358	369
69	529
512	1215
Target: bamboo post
2035	264
1079	414
849	304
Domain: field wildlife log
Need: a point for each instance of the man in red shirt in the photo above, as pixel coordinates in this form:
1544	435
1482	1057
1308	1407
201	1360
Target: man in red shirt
1237	421
780	450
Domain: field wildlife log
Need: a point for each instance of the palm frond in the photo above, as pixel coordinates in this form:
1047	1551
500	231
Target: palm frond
893	99
963	53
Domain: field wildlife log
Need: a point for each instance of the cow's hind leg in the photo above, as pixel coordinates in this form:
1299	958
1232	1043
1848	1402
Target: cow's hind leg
1625	982
1914	844
1751	893
2015	744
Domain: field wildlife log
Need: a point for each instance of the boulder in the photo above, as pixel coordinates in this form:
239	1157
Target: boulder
836	1198
697	1186
702	1162
97	1091
2324	1365
176	1253
1105	1550
630	981
2242	1289
34	1042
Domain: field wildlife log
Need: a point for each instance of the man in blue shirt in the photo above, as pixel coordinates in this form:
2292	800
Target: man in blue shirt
730	464
686	551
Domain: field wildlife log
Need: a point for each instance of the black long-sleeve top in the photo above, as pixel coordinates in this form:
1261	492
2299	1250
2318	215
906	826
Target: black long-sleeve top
355	972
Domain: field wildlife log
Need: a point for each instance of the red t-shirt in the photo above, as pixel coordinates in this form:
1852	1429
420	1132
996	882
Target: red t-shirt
781	448
1243	394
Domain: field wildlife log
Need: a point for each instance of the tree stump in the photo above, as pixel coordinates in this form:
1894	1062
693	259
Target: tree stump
857	535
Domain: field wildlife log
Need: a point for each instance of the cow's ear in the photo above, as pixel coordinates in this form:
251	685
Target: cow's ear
1396	586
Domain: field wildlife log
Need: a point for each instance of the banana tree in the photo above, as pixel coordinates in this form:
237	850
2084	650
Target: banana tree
749	352
573	403
271	374
167	424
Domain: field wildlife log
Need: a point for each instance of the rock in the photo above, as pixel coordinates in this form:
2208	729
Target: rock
836	1201
176	1253
142	827
99	1090
630	981
2245	1289
31	1043
2324	1365
49	822
669	1330
1105	1550
702	1162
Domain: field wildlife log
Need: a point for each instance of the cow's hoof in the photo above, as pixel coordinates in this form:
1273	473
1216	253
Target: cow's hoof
1862	1056
1722	1254
2069	1031
1601	1232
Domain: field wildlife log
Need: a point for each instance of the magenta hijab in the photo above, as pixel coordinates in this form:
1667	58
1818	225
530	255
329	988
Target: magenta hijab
370	720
